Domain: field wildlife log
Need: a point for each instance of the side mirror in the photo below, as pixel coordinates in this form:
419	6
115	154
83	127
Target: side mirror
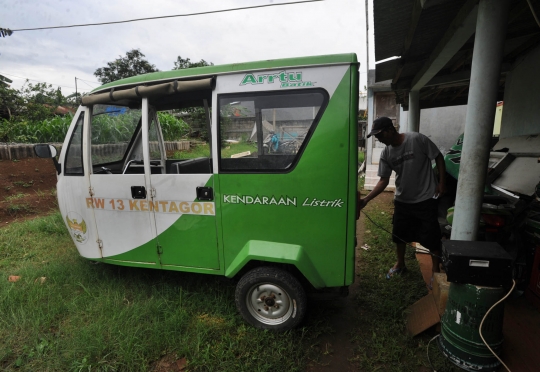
45	151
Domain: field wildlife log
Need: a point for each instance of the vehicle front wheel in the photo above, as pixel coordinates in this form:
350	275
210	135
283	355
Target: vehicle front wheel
271	298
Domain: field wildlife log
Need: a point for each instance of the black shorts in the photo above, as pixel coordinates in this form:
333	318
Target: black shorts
417	222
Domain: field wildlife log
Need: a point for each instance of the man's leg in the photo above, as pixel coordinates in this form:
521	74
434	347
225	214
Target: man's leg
400	233
399	267
400	251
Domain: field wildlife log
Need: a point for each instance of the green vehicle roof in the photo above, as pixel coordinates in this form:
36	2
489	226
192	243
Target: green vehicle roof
234	67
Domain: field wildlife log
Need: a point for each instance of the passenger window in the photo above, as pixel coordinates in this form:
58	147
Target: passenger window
153	138
267	132
74	162
115	138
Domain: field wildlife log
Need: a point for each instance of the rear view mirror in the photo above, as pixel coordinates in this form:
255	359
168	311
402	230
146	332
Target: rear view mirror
47	152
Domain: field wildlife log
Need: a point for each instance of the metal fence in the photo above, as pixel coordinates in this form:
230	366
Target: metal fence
9	151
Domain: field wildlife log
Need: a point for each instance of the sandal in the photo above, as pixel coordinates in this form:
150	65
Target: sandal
396	271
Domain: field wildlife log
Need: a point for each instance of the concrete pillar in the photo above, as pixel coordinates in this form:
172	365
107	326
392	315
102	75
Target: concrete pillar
414	111
370	118
403	120
485	73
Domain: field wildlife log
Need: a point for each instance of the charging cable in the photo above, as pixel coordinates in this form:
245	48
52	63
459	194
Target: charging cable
427	352
484	318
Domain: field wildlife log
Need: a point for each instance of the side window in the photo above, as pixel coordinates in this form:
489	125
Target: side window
115	139
74	163
267	132
153	138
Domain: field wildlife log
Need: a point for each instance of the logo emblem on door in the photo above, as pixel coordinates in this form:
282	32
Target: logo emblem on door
77	227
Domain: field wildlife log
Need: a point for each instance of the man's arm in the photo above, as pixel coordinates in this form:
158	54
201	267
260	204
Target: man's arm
441	169
379	187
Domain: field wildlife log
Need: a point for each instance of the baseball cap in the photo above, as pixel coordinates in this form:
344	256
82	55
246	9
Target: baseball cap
379	125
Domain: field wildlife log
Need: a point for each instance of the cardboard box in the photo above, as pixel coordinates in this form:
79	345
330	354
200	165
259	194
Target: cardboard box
428	311
422	315
440	291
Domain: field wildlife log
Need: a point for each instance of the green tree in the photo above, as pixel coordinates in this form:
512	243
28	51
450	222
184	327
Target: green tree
123	67
40	101
74	99
10	101
181	63
196	117
4	81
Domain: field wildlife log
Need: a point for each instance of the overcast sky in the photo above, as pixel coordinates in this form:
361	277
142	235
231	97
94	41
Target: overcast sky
58	56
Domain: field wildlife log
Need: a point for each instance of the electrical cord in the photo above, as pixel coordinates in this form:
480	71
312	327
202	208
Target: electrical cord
533	12
427	352
484	318
422	250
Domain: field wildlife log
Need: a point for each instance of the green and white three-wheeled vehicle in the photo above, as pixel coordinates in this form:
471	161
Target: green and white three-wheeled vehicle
280	214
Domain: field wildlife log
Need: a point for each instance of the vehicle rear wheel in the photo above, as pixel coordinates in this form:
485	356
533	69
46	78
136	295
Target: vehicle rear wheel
270	298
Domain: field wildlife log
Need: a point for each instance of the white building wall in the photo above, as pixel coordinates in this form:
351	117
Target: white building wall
521	114
443	125
362	101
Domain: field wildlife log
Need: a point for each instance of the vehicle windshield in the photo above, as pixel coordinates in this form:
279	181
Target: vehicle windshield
113	129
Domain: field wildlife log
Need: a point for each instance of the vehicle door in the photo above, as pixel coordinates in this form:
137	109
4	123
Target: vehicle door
289	191
73	186
183	198
119	186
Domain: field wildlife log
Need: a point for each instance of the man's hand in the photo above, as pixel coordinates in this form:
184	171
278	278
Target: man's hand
362	203
441	169
440	190
359	206
379	187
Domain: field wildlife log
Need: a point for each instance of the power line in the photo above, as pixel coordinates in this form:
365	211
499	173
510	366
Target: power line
84	81
39	81
88	81
162	17
87	84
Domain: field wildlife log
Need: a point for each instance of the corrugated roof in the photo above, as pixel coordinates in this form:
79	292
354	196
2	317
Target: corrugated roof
396	19
391	18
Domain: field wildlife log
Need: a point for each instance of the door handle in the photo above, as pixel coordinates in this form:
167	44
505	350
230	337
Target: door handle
138	192
205	193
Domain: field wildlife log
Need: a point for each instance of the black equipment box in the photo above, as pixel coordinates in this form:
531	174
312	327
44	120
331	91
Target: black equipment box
478	263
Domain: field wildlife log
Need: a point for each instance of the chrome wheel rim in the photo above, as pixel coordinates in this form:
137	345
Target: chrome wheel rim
269	303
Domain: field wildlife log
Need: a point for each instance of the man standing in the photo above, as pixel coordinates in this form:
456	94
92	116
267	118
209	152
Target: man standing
417	189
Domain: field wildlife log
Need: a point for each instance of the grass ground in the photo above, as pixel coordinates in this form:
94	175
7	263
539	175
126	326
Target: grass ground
98	317
361	156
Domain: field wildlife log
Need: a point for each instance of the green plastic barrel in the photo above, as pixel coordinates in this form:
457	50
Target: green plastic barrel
460	338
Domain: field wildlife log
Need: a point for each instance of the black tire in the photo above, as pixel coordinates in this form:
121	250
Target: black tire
270	298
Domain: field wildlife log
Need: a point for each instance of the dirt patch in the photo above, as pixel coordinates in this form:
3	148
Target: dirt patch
27	189
169	363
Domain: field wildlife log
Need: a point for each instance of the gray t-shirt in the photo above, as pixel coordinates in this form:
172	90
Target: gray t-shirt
415	178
